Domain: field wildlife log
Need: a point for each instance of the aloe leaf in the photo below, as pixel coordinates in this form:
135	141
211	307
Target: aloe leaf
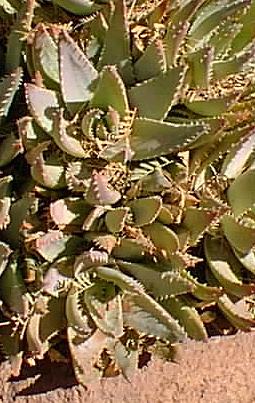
13	290
165	215
212	13
93	216
204	292
55	244
223	68
147	316
187	316
65	141
5	201
77	319
155	97
131	249
110	92
145	210
151	63
89	120
124	282
222	37
10	147
246	259
211	106
241	193
235	161
247	31
76	72
78	7
237	313
48	172
30	133
103	241
104	308
127	359
45	56
240	236
19	211
53	321
221	262
8	87
116	50
115	219
200	73
5	252
99	193
42	104
160	284
85	353
165	239
89	259
68	211
151	138
17	35
197	221
185	10
175	35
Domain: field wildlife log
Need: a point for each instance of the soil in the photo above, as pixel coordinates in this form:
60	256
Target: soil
219	371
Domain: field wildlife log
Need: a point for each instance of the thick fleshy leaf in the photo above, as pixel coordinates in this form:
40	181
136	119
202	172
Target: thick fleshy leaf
185	10
197	221
116	50
55	244
76	72
110	92
165	239
241	193
208	19
65	141
187	316
247	259
152	138
115	219
145	210
12	287
174	37
45	56
105	308
42	104
85	354
78	7
160	284
210	106
239	235
5	252
237	313
155	97
148	317
99	193
48	172
132	249
223	264
235	161
151	63
69	211
8	87
223	68
200	73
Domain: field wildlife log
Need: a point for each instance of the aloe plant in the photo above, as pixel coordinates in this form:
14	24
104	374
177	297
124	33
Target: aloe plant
138	141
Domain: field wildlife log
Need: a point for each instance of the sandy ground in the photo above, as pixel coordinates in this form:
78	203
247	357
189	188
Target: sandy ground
220	371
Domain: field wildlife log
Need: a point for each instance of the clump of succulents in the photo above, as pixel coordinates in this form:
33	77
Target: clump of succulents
127	193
